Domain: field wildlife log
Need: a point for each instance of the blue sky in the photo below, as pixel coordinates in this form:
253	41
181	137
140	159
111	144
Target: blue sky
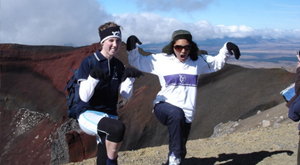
75	22
258	14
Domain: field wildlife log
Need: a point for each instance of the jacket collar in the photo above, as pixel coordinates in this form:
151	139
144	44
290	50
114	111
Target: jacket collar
100	57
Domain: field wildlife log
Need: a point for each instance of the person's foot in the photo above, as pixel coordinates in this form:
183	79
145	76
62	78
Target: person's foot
173	160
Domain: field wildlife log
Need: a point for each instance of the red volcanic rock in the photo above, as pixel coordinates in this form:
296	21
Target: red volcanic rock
33	77
81	146
28	137
53	62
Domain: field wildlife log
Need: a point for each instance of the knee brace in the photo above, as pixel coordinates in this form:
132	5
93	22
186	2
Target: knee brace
114	129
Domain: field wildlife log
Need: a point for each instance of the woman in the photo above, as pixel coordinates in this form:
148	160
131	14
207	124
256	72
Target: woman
294	104
178	69
98	91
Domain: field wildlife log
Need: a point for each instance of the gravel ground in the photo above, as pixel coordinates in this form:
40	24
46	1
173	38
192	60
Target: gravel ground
248	143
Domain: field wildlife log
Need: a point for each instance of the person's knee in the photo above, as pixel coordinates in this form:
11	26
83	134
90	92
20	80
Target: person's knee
117	132
114	129
178	115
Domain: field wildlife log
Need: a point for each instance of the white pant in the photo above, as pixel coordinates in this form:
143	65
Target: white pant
88	122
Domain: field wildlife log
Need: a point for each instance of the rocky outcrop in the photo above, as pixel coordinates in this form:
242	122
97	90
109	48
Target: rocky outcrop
26	137
33	77
72	145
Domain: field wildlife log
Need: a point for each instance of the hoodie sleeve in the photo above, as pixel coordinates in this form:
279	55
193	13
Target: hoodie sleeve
217	62
87	88
146	64
126	88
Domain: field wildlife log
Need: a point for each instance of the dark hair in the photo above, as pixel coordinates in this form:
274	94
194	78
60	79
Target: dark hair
193	53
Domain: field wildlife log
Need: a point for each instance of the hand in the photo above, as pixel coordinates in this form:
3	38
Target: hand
232	47
131	72
131	42
98	73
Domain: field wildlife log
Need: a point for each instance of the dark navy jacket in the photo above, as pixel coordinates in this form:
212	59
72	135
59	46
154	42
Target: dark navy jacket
106	93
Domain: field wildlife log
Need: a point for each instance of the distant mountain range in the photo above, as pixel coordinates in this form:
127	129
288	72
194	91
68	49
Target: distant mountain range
252	49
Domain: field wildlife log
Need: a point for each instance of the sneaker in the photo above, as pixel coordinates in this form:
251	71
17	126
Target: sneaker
173	160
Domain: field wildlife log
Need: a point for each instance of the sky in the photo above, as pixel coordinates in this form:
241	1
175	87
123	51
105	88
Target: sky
76	22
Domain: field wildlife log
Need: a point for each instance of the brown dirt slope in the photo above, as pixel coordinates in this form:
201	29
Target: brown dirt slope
248	143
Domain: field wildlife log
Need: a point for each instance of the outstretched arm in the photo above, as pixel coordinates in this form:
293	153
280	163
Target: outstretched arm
143	63
215	63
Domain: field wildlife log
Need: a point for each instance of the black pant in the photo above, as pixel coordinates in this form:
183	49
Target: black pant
173	117
101	154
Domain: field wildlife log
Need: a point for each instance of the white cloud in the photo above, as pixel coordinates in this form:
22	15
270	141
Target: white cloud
148	27
277	33
56	22
51	21
152	28
235	31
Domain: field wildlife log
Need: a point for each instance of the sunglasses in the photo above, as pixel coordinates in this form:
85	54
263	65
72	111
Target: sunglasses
179	48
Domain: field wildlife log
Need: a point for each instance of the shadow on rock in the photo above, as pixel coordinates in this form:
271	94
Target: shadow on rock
234	158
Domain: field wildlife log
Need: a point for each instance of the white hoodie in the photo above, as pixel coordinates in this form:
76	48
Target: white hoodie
178	80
